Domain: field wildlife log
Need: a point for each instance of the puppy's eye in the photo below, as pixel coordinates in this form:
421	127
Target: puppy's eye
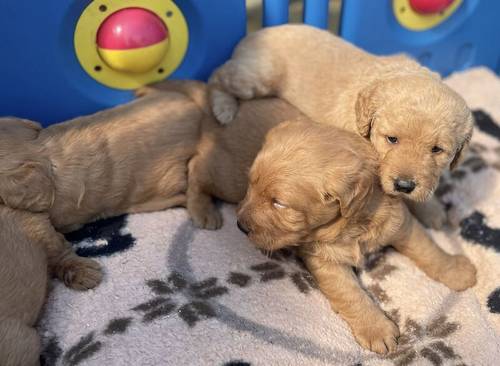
392	139
279	205
436	150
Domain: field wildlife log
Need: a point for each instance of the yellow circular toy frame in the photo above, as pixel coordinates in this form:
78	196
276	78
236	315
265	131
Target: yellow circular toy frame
87	51
412	20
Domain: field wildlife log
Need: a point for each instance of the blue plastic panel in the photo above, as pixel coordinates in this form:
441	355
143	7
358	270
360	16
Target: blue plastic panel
42	78
275	12
468	38
316	13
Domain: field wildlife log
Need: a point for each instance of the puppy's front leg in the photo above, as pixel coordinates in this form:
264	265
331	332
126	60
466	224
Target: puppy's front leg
371	328
251	73
454	271
200	205
76	272
430	213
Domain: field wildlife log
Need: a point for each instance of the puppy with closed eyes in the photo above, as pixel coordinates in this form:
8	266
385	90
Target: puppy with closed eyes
317	188
223	154
417	124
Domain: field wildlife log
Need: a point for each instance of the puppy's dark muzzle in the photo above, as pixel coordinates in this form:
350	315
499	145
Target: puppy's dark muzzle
242	228
403	185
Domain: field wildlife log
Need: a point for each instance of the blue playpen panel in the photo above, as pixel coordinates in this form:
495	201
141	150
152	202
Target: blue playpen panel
43	80
275	12
469	37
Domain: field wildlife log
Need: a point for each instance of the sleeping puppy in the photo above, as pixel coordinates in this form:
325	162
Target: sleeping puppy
224	154
128	159
30	247
316	187
417	124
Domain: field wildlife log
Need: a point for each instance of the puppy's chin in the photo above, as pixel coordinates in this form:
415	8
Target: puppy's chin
268	243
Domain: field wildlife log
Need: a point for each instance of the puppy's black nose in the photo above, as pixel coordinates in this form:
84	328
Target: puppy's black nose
243	229
403	185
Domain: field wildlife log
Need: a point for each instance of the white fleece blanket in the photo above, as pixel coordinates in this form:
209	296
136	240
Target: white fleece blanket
176	295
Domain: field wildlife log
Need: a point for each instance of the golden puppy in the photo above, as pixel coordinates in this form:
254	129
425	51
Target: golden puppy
418	125
29	248
127	159
316	187
224	154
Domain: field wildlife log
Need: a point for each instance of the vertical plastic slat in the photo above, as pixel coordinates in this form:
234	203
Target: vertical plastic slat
316	13
275	12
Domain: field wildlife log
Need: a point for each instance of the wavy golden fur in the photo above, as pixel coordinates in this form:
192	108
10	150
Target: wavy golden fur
316	187
417	124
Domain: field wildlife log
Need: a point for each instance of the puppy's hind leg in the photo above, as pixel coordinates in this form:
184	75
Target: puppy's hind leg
200	205
19	344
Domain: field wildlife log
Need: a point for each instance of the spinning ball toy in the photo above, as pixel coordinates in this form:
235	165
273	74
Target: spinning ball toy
132	40
124	46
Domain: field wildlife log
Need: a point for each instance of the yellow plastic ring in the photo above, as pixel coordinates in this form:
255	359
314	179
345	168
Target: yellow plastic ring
87	51
412	20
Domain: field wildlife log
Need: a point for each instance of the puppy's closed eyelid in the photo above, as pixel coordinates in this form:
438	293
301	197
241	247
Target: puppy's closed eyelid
278	204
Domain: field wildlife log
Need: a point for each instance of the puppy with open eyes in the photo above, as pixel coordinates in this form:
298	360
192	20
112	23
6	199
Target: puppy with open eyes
317	188
30	249
417	124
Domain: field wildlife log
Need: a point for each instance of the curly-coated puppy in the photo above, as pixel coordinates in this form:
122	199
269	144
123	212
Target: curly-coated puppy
30	247
418	125
316	187
131	158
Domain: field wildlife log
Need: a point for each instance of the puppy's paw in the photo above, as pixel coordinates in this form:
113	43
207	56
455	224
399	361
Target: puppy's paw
242	79
379	334
208	218
80	273
435	219
224	106
459	274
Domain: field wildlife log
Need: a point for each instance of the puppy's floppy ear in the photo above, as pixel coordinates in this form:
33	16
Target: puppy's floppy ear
460	153
463	148
31	124
29	187
18	127
365	108
351	188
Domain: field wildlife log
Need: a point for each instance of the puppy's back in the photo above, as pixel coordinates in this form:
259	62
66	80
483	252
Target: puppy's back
230	150
119	160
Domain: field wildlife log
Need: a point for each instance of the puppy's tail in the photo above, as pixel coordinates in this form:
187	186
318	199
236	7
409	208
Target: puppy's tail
197	91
